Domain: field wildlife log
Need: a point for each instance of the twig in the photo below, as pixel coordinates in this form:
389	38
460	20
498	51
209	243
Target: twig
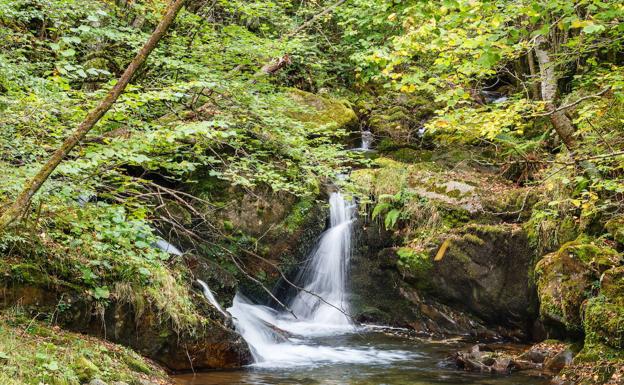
569	105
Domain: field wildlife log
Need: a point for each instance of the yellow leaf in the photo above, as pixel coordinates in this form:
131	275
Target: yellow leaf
442	250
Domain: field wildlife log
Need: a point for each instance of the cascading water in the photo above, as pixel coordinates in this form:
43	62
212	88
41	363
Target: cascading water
367	140
325	274
211	298
279	339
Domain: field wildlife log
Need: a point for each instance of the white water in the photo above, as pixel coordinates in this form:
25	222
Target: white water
367	140
277	339
166	247
211	298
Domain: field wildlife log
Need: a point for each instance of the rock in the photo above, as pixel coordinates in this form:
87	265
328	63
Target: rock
502	365
519	365
97	381
563	281
484	271
320	110
119	383
616	228
85	369
604	315
559	361
469	363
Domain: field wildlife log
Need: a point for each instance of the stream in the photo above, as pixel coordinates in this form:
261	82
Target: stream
390	360
315	340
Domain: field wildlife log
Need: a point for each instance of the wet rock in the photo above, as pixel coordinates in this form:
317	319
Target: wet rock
481	358
559	361
97	381
502	365
519	365
503	359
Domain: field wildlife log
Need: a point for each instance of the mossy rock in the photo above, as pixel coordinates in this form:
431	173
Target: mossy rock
596	256
320	110
563	283
612	285
85	369
604	322
484	271
604	315
615	227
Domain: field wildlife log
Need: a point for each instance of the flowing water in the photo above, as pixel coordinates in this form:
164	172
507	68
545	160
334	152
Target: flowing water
211	298
317	342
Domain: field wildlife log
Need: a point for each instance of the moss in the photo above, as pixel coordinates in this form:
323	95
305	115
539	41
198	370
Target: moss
598	256
298	214
409	155
85	369
321	110
612	285
615	227
593	352
37	353
604	323
563	284
454	217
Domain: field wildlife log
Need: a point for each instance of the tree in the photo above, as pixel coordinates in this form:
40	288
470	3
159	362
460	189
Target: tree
33	185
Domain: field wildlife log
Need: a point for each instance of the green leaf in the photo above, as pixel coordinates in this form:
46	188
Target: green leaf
391	218
380	208
68	52
593	28
101	293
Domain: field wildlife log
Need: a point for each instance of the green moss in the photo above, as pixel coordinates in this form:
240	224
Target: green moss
320	110
454	217
409	155
612	285
563	283
298	214
597	256
593	352
36	353
604	323
84	369
615	227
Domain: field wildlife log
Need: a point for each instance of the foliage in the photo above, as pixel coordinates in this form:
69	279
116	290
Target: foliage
33	352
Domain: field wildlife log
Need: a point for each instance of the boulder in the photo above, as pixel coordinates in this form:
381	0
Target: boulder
559	361
564	280
317	110
484	271
604	315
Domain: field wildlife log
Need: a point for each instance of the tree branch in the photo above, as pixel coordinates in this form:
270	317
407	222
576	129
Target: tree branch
33	185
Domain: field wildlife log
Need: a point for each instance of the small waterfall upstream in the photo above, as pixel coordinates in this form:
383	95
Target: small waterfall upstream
279	339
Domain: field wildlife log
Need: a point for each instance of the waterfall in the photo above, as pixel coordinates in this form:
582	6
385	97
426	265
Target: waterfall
325	274
210	297
367	140
279	339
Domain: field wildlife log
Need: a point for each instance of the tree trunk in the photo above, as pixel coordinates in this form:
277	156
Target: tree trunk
561	123
32	186
533	72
